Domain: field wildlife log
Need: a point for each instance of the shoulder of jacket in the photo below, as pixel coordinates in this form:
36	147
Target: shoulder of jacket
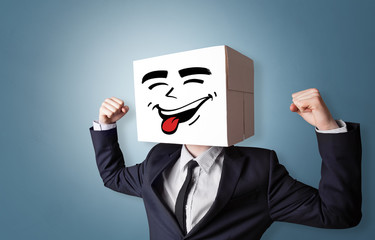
164	148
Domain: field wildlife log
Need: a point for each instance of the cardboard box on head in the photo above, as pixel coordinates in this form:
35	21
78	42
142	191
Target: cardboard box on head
200	97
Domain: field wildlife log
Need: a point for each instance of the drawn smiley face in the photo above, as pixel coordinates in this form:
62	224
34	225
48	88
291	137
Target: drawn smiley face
177	102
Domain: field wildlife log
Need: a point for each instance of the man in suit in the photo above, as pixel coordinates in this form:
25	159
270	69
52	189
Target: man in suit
235	192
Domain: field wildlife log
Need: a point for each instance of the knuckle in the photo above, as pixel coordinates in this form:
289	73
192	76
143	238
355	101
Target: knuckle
317	100
117	100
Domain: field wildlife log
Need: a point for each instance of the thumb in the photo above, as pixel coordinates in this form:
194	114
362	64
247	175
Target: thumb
293	108
120	114
125	109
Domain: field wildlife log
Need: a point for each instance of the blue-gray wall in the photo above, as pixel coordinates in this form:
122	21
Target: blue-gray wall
60	59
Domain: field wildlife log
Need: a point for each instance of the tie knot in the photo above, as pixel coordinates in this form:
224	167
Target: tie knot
192	164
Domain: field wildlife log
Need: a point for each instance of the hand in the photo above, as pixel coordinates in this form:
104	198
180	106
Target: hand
311	107
112	110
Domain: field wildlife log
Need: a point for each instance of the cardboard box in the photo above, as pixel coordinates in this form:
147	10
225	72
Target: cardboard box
201	97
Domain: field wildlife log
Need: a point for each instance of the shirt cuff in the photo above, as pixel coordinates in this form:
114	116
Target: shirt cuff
102	126
342	128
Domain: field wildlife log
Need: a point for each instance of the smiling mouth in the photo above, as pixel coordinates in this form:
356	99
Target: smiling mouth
173	117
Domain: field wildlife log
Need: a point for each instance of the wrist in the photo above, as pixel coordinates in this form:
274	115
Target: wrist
104	120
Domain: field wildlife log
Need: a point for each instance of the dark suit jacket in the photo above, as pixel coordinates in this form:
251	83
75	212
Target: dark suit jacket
255	189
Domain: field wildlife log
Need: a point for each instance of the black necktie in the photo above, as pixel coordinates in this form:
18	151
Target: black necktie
180	208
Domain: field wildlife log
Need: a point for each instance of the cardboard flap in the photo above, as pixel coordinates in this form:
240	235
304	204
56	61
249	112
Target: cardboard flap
235	115
248	115
240	71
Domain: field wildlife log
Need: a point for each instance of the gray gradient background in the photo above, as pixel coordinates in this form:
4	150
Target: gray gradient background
60	59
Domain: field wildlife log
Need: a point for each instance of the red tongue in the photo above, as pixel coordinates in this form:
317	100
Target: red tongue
170	125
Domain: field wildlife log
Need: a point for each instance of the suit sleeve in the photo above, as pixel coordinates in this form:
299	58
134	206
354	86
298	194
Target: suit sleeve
111	165
337	202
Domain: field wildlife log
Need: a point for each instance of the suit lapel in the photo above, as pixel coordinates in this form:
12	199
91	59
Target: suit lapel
232	166
157	187
166	161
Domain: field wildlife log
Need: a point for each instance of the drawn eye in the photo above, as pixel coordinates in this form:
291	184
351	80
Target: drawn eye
156	84
193	81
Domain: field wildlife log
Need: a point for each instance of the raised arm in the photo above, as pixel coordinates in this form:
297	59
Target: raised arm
337	202
109	158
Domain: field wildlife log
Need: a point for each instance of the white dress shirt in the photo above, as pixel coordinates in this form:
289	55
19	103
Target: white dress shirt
206	177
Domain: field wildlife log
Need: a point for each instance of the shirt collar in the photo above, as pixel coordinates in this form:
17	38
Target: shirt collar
205	160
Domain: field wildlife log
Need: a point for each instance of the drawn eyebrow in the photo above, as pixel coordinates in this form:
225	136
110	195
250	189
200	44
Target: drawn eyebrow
194	70
194	81
155	74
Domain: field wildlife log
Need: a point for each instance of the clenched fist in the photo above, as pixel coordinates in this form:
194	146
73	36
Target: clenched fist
311	107
111	110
